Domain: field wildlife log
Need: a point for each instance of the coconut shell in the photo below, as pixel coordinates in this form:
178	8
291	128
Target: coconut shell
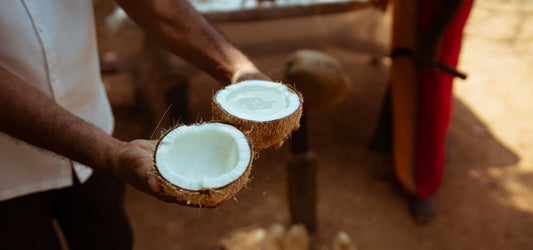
320	77
262	135
204	198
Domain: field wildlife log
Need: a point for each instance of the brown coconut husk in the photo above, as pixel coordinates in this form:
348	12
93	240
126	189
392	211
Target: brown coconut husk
204	198
261	134
320	77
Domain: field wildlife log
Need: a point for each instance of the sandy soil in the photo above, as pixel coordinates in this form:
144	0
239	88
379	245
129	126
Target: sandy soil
485	200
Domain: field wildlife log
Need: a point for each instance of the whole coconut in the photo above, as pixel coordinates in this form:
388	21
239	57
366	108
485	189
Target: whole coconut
319	77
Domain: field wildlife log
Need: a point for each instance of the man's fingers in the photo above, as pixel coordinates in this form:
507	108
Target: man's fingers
157	190
153	184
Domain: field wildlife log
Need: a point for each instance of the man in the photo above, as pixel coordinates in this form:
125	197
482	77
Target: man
51	97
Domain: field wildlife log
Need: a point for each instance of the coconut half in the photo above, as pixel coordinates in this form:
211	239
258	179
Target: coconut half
266	111
203	165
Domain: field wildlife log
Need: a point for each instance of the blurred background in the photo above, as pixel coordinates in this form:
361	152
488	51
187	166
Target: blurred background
485	200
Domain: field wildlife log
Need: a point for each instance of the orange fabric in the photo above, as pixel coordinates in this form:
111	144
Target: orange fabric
403	92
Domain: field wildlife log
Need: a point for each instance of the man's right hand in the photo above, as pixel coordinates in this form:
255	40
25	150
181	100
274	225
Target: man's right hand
132	163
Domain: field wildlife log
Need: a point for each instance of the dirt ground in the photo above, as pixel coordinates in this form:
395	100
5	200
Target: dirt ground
485	200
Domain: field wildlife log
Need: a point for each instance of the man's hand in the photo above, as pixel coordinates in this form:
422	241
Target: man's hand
249	72
132	163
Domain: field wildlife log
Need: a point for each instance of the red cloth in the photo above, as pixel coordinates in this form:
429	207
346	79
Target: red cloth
435	102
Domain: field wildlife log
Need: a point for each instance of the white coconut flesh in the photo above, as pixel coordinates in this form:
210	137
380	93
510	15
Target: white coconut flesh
257	100
205	156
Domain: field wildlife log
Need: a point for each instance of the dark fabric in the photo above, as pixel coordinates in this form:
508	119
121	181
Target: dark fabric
91	216
25	223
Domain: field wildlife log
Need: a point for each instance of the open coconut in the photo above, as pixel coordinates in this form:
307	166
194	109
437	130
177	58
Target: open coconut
266	111
203	165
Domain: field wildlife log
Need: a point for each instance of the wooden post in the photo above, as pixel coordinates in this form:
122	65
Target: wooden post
302	179
161	94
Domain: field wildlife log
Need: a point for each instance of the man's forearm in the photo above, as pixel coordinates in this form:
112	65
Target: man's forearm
183	31
30	116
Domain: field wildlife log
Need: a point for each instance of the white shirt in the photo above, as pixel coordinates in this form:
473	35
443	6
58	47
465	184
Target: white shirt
50	44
